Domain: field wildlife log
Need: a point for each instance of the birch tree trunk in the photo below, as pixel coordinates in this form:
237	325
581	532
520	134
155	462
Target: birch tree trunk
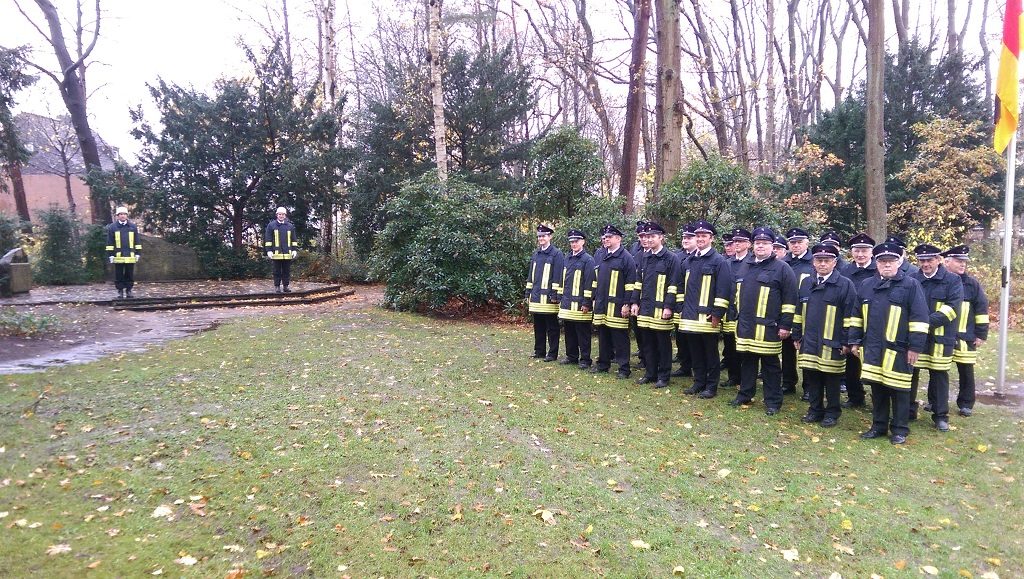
436	92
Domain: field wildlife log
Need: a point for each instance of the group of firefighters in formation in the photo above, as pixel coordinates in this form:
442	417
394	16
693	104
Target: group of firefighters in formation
876	321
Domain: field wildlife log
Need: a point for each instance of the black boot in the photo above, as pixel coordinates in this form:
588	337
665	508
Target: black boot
128	293
120	294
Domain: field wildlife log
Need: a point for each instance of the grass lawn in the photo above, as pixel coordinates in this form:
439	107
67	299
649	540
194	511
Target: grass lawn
370	443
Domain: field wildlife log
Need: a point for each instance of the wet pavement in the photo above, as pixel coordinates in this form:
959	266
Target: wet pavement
90	331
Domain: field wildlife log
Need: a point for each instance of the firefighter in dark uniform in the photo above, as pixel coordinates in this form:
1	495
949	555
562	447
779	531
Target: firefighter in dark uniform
766	298
821	329
893	332
799	261
728	249
780	246
542	288
613	296
708	287
576	309
281	245
730	359
905	266
972	326
687	238
639	252
832	238
861	268
657	299
124	249
945	294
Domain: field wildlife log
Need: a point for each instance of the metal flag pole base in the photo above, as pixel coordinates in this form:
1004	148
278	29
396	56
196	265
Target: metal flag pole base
1004	294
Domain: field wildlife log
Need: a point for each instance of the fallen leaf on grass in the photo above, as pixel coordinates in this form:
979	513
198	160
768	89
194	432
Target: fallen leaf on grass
159	571
94	564
234	548
678	570
900	565
58	549
639	544
965	573
982	448
990	575
842	548
790	554
457	513
546	516
929	570
162	511
993	561
186	560
724	473
235	574
847	525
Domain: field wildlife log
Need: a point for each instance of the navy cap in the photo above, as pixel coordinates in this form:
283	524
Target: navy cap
654	228
702	226
861	240
576	234
887	250
926	250
897	240
825	250
830	237
796	234
780	241
544	230
610	229
740	234
689	230
764	234
959	252
640	226
727	238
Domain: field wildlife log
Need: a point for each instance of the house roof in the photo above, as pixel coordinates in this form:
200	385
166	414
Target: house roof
51	142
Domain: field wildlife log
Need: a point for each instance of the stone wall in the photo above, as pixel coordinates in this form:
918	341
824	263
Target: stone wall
162	260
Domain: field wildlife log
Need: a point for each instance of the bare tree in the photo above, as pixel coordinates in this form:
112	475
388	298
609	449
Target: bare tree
70	78
669	95
634	105
58	151
874	146
436	90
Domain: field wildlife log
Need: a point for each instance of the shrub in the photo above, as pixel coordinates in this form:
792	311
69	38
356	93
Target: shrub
455	242
9	234
25	324
346	267
594	213
95	243
59	261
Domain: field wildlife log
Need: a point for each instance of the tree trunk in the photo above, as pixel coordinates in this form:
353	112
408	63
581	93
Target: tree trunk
67	183
634	106
72	91
237	226
714	91
874	145
985	57
669	94
436	92
20	199
287	35
769	88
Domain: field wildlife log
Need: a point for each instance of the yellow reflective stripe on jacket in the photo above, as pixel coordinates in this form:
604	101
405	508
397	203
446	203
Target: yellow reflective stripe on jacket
545	277
947	311
965	308
920	327
830	322
981	319
705	290
762	302
613	284
892	324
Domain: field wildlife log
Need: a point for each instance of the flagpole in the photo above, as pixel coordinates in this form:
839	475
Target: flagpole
1004	294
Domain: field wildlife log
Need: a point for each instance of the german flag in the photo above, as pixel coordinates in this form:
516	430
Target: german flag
1007	110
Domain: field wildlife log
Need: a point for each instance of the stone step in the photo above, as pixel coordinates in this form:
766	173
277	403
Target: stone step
251	300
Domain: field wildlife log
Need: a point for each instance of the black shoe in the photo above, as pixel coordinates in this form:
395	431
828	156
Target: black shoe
850	404
598	370
829	422
620	375
806	397
128	293
772	411
942	426
120	294
277	289
789	389
737	402
810	418
871	434
966	411
693	390
661	384
550	358
645	380
536	355
680	373
927	408
912	417
286	290
584	366
567	361
898	439
707	394
641	364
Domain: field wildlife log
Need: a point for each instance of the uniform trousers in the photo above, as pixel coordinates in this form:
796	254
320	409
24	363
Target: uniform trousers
730	358
771	378
124	275
965	397
612	346
938	393
657	353
683	353
854	386
885	400
545	326
707	365
577	341
823	390
789	374
282	272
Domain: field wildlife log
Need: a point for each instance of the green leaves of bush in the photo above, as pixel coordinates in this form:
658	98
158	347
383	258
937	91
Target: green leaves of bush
448	244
